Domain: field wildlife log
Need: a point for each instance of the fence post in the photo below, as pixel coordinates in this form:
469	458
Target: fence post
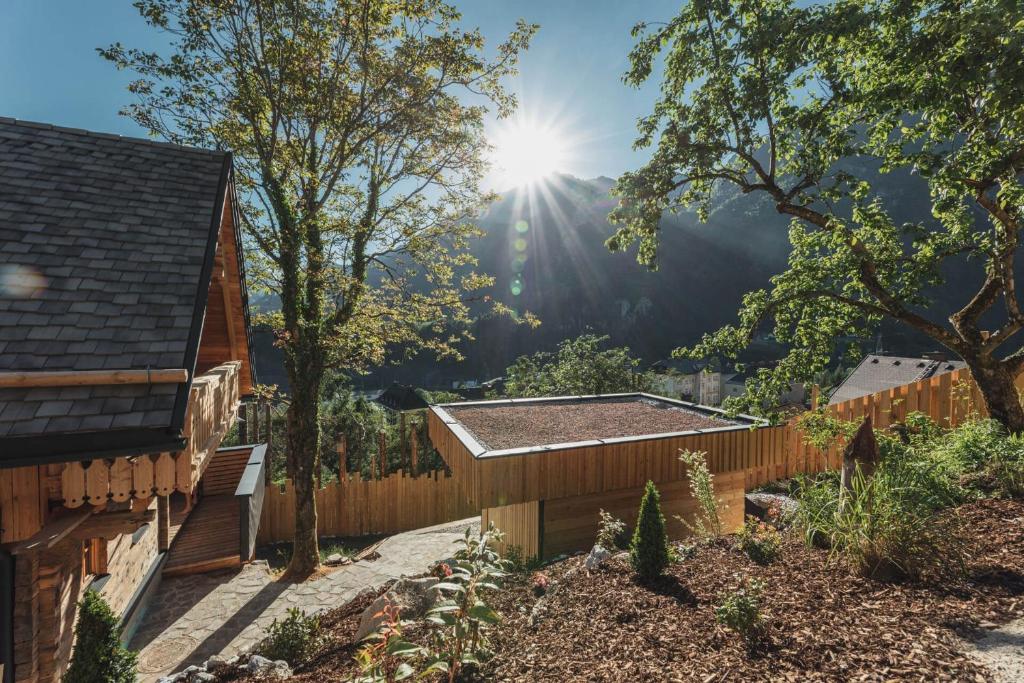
342	457
415	447
243	427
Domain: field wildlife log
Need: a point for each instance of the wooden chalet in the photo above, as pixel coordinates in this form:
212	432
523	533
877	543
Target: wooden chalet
124	353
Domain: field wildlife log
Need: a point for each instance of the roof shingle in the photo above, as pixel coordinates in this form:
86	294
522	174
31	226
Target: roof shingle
102	246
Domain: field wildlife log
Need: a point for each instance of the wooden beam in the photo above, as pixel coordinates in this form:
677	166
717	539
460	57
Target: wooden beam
229	319
163	525
91	378
52	534
110	524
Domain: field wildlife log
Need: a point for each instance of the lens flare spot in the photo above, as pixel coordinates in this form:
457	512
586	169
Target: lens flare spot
522	227
21	282
520	244
516	287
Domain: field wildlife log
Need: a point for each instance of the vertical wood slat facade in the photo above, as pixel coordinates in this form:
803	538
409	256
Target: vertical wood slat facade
356	507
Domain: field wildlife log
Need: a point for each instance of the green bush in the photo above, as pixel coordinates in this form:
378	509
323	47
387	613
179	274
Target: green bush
761	542
611	532
99	656
741	611
648	552
707	524
294	639
887	528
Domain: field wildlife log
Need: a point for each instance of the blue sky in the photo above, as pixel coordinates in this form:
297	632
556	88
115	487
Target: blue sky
570	79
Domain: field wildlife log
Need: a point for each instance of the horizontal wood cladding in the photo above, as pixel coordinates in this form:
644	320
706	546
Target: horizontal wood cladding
224	472
577	471
570	524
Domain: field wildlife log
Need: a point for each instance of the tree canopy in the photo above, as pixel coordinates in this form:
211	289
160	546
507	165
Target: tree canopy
357	133
580	366
793	103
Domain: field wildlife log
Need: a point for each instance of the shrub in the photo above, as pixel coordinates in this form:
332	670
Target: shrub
99	655
648	552
611	532
760	541
740	611
294	639
386	655
540	583
463	617
516	561
707	523
888	527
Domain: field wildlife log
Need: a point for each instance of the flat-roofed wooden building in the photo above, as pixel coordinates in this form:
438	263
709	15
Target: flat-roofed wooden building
124	353
541	469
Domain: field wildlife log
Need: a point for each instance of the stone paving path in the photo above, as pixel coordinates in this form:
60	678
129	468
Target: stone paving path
1002	651
194	617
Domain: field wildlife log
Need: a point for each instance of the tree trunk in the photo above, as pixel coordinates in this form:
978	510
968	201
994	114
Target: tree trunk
999	392
862	451
303	449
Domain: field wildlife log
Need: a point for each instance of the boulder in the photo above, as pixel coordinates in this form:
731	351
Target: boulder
218	662
759	504
258	664
413	597
597	557
202	677
334	559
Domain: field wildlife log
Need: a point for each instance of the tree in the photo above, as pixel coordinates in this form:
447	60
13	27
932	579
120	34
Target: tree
794	104
99	654
580	367
648	552
358	166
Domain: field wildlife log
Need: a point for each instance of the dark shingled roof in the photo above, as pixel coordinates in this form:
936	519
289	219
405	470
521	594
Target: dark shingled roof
106	245
878	373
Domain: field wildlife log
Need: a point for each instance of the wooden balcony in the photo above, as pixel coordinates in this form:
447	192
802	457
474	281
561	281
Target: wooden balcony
213	404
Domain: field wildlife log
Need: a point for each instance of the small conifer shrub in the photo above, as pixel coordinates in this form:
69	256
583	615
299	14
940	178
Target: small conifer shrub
648	553
99	655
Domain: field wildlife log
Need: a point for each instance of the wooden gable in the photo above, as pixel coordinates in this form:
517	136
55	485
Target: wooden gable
225	330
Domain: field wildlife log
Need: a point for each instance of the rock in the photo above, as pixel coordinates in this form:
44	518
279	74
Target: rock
597	557
218	662
258	664
202	677
413	597
758	505
281	670
334	559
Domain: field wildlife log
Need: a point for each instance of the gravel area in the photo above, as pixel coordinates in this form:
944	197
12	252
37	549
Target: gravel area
537	424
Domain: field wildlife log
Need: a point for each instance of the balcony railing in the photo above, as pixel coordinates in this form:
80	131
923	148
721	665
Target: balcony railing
213	404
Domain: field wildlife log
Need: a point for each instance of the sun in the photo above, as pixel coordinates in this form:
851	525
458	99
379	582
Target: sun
526	152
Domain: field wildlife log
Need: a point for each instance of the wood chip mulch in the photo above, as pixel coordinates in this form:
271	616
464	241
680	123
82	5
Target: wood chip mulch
825	624
539	424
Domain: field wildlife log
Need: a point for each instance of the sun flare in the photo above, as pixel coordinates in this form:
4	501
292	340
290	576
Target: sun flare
527	152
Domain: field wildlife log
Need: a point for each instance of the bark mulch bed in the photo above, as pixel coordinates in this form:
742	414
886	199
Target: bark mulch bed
540	424
825	624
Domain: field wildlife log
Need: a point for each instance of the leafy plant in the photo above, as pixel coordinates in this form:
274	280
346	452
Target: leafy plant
518	562
464	617
888	527
99	655
386	656
294	639
707	524
649	552
540	583
611	531
741	611
761	541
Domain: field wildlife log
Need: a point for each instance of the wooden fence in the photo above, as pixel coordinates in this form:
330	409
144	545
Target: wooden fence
399	502
356	507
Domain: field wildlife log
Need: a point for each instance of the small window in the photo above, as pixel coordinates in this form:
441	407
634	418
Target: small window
94	556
